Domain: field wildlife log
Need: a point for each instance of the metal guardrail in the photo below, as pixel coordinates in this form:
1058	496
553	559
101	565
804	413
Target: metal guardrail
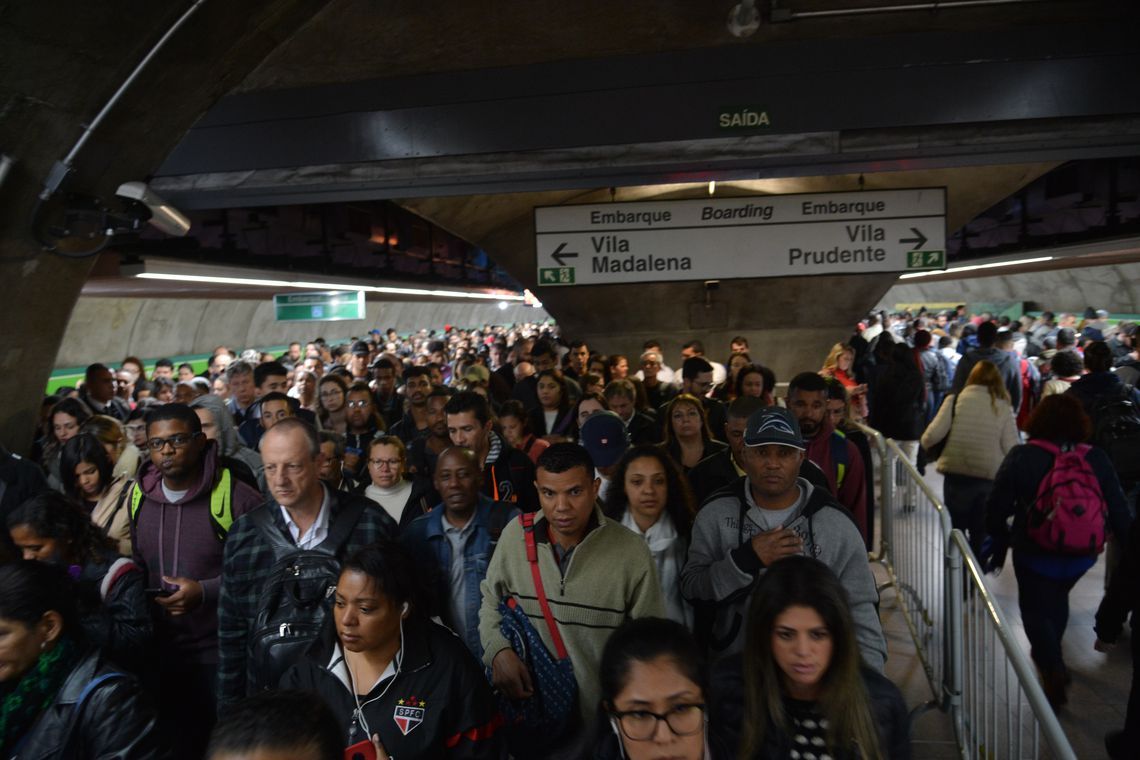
915	529
999	709
976	668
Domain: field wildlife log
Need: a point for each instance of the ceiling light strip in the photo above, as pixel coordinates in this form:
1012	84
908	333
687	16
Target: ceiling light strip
992	265
305	285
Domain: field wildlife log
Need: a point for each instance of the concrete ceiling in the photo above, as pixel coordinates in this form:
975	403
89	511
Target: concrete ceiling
353	40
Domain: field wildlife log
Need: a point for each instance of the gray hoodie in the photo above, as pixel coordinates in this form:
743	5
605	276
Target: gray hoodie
722	568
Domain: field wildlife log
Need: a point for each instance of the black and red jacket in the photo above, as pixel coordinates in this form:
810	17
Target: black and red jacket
439	704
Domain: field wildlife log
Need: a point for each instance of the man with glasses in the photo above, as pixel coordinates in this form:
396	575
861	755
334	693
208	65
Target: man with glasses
697	380
302	510
181	509
362	424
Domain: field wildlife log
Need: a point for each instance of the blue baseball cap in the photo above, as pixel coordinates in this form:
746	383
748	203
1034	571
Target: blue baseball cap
603	434
773	425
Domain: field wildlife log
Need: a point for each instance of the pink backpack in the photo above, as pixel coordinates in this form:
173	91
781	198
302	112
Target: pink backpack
1068	516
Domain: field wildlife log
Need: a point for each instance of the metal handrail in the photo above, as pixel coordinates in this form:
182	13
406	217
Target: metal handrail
962	556
883	507
920	614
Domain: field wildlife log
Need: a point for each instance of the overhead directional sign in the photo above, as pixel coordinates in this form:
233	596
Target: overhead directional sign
754	236
326	306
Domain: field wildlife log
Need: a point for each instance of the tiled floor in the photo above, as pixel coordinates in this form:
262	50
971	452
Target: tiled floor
1101	682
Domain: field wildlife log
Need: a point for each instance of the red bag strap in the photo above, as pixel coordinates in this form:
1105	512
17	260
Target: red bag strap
527	519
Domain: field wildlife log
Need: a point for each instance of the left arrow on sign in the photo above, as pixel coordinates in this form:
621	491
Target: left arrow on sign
560	255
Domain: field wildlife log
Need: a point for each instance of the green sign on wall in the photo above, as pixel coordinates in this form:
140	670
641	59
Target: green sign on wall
327	306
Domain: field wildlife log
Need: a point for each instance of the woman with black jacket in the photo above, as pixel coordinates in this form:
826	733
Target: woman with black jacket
110	589
553	418
1045	577
391	676
61	699
801	683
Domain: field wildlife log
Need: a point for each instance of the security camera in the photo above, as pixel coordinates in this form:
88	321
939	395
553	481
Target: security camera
711	285
153	209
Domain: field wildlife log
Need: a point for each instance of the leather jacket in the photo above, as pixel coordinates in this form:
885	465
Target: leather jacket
114	721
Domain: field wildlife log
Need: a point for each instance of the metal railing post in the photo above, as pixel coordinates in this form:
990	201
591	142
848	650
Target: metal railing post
952	684
992	650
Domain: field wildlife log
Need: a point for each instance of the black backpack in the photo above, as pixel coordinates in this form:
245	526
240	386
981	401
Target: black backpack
1116	429
296	598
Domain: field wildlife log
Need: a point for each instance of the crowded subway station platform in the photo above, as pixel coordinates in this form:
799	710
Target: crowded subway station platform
689	381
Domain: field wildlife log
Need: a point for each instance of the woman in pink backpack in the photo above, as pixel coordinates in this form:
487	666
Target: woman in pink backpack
1063	495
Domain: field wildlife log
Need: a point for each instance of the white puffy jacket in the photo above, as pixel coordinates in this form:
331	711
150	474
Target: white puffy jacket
979	436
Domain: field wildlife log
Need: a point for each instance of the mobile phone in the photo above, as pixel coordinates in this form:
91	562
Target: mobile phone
364	750
157	592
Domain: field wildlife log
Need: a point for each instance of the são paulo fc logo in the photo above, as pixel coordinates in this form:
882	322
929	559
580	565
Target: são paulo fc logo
409	713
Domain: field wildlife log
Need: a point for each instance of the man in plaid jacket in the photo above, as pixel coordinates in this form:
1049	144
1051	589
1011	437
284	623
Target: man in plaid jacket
304	511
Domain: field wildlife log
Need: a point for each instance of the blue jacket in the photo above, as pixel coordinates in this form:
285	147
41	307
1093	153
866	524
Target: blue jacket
424	537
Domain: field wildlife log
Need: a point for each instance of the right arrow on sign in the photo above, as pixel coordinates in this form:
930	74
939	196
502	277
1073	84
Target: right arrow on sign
918	241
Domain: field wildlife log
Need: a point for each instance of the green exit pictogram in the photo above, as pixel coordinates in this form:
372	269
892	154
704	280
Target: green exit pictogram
926	260
556	276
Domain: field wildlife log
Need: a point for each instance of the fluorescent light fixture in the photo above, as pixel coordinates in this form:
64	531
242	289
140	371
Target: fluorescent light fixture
305	285
974	267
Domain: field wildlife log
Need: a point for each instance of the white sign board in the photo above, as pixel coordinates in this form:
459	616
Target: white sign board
754	236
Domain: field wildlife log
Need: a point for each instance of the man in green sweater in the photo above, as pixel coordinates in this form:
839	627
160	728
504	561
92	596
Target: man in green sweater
595	572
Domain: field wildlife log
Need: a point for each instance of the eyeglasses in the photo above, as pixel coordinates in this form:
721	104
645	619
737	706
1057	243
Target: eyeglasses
641	725
382	463
358	404
134	428
179	441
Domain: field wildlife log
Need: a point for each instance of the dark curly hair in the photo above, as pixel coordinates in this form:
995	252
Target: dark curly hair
679	502
53	515
1059	418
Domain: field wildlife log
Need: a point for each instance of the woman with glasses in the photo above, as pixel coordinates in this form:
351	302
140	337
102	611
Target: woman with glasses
654	689
91	482
687	436
332	393
403	499
805	687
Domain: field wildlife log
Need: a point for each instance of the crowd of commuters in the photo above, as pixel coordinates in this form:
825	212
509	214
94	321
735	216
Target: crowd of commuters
493	542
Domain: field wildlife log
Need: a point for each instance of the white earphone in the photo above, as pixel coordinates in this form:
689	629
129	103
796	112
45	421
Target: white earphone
405	610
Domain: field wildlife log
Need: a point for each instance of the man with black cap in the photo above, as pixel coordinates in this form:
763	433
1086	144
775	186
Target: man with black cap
769	514
358	360
603	434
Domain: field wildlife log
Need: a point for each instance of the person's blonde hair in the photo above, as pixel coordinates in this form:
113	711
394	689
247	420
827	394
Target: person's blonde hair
832	361
986	374
107	429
